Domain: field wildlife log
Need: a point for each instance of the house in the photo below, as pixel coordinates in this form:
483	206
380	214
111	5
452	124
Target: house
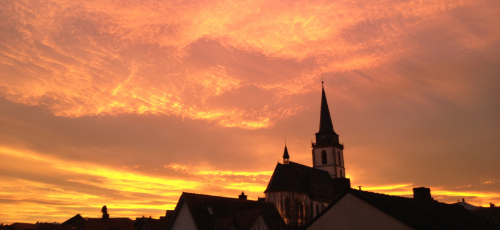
48	226
168	216
466	205
150	224
76	222
490	213
23	226
109	224
205	212
357	209
301	192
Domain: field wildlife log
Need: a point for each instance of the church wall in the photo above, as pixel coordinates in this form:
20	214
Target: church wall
318	207
260	224
310	208
295	208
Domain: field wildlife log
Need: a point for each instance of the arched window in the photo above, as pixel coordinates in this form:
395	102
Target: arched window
323	157
287	207
301	213
317	209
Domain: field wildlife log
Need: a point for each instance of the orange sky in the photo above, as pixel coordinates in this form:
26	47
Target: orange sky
127	103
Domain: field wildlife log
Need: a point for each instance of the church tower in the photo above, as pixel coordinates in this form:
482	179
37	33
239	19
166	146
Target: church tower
327	152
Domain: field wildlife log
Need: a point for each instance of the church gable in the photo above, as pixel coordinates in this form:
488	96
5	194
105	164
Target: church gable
302	179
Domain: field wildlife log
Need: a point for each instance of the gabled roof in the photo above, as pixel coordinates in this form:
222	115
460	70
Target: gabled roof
168	216
294	177
419	214
23	226
151	224
228	211
75	220
48	226
466	205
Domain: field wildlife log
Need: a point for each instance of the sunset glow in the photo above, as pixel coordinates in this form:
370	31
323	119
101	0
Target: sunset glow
129	103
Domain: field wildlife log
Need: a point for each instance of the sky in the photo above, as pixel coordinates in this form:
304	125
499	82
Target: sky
129	103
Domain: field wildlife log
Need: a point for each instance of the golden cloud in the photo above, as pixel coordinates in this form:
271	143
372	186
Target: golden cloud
82	58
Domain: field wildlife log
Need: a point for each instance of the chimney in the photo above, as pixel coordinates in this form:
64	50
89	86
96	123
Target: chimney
242	196
104	211
492	205
422	193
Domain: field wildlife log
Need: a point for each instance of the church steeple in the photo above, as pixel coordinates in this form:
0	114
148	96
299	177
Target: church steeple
325	120
327	151
286	157
326	134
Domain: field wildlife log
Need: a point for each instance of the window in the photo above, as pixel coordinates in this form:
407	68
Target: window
287	207
209	209
323	157
301	213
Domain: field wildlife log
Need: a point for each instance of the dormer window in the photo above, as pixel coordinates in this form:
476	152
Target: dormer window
323	157
209	209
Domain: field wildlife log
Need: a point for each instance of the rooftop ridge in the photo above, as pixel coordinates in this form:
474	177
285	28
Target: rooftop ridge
110	218
205	195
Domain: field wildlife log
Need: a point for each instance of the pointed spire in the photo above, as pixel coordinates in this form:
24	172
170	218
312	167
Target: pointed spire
325	120
286	156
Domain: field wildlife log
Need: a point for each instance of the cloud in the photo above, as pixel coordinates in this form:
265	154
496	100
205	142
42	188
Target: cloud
108	58
86	187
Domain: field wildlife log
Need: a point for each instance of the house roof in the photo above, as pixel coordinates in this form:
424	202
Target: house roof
294	177
75	220
168	216
109	224
23	226
466	205
419	214
225	212
151	224
48	226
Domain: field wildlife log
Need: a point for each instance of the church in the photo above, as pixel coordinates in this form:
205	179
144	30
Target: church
301	192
